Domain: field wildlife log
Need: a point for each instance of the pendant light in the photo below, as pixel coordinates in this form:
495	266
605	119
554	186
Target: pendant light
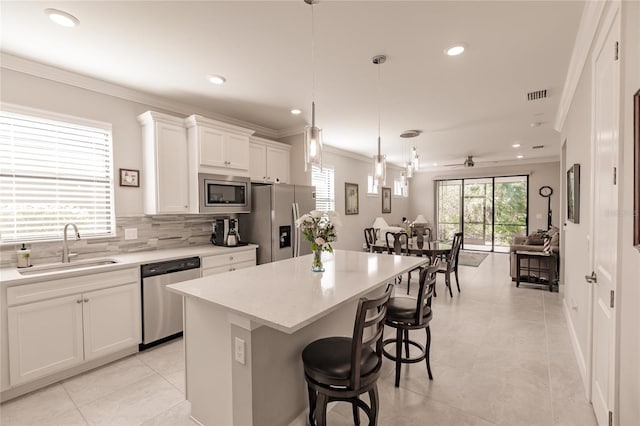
312	134
408	166
415	158
379	161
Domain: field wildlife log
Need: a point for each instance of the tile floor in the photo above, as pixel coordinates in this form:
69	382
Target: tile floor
500	356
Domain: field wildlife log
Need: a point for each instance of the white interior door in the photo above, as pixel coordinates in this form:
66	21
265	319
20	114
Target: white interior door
606	90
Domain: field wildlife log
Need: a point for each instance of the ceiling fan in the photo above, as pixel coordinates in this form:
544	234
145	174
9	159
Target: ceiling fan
469	162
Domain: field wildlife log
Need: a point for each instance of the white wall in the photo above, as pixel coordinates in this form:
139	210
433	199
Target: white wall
577	131
350	168
422	188
629	286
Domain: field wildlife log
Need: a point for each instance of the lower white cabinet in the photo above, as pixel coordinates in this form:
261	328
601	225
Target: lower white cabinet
228	262
53	335
111	319
44	337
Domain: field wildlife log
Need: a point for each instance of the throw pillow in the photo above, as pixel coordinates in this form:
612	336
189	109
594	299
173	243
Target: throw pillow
534	239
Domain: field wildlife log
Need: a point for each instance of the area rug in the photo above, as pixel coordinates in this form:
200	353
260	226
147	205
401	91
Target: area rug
471	258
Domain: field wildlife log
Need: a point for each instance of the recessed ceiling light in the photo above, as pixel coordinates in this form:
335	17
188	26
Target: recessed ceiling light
435	164
216	79
520	156
455	50
296	111
516	145
62	18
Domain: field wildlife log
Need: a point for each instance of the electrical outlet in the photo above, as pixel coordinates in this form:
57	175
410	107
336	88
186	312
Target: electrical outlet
538	215
131	233
240	350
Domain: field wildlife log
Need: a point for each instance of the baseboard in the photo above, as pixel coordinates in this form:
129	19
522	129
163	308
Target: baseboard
582	363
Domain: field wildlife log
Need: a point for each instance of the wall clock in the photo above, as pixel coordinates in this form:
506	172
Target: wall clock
547	191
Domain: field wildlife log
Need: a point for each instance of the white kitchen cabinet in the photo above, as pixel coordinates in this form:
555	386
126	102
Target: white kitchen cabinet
165	172
54	325
219	263
217	147
269	161
44	337
111	319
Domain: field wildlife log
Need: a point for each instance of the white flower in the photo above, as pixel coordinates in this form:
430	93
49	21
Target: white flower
302	219
320	241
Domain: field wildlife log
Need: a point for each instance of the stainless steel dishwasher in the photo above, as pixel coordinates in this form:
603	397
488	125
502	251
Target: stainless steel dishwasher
161	309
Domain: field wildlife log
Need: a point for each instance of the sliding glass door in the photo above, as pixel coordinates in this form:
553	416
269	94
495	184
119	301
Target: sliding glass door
489	211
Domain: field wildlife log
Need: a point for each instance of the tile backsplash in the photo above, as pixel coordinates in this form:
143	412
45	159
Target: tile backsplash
154	233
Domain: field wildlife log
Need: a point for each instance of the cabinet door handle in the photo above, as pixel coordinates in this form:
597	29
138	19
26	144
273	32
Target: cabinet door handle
86	300
230	257
79	301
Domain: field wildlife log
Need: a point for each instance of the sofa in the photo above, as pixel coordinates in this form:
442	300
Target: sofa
534	242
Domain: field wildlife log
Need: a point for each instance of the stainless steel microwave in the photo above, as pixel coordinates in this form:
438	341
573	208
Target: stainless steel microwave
224	194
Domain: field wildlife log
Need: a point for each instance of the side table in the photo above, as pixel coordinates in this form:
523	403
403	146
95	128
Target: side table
535	265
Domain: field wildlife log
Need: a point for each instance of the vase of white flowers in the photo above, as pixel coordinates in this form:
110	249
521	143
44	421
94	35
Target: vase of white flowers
319	228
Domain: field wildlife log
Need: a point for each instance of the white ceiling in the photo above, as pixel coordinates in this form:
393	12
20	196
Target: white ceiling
471	104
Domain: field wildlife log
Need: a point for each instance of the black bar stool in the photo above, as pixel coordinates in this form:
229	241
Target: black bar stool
407	313
342	368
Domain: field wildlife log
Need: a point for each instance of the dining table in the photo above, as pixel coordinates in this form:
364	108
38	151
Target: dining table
431	249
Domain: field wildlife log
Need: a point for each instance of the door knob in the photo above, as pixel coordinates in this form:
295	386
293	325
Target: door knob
593	278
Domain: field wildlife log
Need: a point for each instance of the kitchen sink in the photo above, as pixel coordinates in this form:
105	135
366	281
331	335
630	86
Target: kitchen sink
59	267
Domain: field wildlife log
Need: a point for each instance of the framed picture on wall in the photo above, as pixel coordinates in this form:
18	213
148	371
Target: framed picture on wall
386	200
573	193
351	198
636	170
129	177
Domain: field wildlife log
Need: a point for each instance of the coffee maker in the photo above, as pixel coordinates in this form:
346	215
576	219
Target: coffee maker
225	233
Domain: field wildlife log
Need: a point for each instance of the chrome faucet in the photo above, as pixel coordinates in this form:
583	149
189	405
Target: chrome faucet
65	245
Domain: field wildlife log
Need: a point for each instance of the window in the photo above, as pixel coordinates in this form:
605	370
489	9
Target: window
372	185
323	180
400	190
53	171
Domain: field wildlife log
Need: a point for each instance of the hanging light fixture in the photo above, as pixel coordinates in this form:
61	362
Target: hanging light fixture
379	160
312	134
415	158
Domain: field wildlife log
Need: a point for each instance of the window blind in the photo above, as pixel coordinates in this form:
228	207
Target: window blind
323	180
52	173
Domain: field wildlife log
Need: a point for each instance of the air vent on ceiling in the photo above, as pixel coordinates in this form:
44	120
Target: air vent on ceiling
538	146
538	94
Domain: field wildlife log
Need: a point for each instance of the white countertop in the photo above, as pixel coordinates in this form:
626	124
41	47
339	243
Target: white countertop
12	276
287	295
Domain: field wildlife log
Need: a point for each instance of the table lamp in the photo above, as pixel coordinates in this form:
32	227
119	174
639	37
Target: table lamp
420	219
378	224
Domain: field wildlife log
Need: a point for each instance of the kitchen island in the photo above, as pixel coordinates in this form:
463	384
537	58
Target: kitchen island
245	331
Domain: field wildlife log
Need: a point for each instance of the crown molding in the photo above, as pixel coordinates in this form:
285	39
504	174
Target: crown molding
19	64
584	40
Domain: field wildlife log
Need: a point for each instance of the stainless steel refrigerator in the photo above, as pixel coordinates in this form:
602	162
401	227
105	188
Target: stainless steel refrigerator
271	223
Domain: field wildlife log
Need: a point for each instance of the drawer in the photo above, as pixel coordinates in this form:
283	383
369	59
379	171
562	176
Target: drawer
226	259
28	293
228	268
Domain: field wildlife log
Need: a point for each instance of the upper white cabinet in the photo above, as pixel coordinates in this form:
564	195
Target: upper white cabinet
165	168
269	161
217	147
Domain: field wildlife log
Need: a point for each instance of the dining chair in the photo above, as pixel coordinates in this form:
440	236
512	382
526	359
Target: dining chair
369	237
422	234
406	313
343	368
400	246
450	263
